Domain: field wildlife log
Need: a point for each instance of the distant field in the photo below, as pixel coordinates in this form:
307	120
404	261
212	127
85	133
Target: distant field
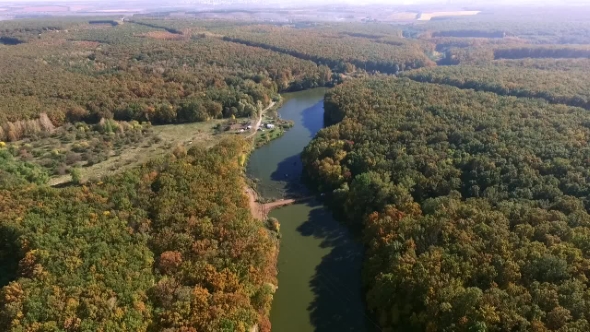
429	16
403	16
115	11
37	9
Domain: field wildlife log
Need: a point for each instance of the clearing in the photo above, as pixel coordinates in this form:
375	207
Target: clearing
190	134
257	125
199	133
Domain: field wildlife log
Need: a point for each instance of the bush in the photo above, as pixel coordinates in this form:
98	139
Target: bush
76	176
72	158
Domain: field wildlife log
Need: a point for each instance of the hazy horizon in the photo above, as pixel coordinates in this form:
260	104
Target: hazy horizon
330	10
321	2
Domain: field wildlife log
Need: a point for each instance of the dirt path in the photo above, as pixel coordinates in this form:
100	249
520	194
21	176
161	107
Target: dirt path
257	125
255	207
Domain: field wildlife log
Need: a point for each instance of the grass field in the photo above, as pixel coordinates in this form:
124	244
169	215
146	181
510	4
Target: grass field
169	136
93	151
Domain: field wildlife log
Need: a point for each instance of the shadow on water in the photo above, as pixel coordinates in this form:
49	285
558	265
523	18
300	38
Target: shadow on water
312	118
338	304
289	170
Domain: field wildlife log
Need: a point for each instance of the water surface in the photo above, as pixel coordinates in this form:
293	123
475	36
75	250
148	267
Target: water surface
319	261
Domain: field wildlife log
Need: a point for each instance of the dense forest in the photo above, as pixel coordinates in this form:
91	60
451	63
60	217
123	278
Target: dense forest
568	86
130	72
342	51
546	64
532	24
488	53
178	71
474	207
168	246
469	183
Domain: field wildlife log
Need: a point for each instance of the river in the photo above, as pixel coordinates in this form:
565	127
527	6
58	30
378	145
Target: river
319	261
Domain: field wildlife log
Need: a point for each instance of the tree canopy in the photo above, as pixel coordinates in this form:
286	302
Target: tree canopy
135	72
473	206
340	50
566	85
171	245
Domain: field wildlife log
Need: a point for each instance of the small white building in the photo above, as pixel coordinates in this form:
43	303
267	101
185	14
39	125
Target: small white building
270	126
249	127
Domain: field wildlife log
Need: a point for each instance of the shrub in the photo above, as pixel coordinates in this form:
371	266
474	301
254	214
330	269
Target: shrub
76	176
72	158
61	169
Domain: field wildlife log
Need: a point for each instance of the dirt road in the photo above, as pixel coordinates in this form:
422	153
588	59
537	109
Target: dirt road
257	125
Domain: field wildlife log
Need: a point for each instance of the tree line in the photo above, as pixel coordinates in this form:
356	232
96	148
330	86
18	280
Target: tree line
484	53
547	25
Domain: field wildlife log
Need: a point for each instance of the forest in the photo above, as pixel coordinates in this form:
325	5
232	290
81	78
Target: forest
569	85
181	71
473	206
342	51
530	24
178	71
129	72
472	51
457	149
168	246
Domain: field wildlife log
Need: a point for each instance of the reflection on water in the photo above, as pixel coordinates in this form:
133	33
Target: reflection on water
319	262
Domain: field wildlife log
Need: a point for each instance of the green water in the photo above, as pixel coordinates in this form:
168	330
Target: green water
277	164
319	262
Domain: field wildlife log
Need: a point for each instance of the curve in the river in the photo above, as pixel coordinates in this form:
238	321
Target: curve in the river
319	261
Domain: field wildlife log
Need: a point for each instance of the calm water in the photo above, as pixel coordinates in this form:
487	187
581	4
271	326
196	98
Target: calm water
277	164
319	262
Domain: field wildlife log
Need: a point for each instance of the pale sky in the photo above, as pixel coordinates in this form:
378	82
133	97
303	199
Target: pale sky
470	3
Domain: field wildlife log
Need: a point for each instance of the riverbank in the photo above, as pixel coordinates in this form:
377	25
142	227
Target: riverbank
260	211
270	126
